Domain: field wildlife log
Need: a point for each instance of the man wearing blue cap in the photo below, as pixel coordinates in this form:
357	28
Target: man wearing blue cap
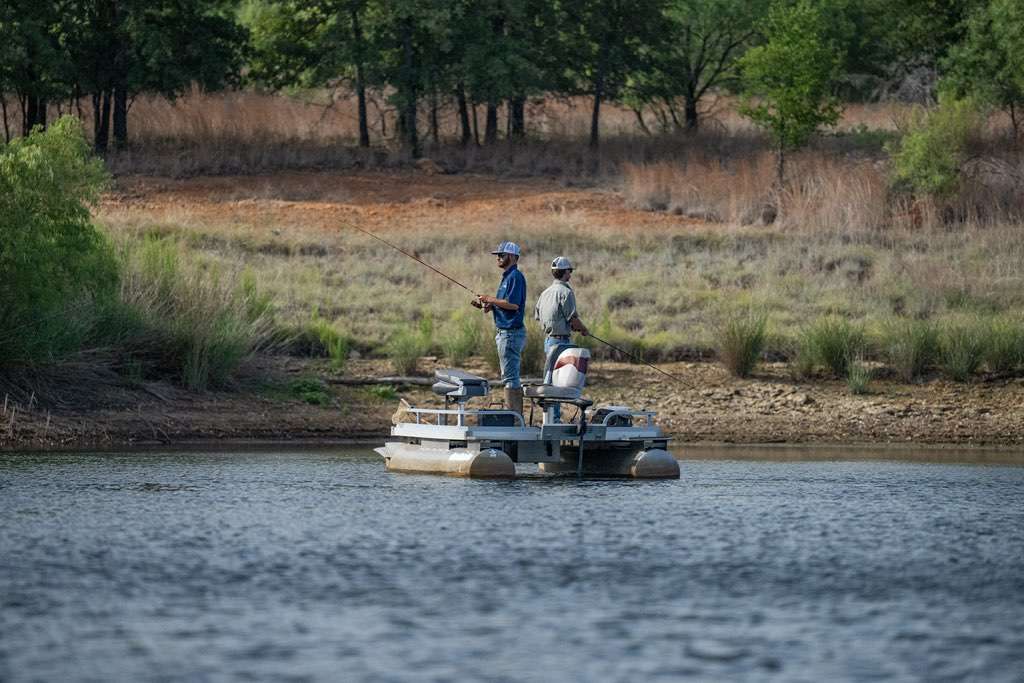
508	306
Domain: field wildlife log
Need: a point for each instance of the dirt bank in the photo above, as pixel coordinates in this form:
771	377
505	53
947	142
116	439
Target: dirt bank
711	407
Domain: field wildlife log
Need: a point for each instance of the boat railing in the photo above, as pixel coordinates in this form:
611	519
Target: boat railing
648	416
461	413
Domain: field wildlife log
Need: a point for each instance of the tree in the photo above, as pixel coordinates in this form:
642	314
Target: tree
50	252
608	42
791	78
705	38
314	43
987	63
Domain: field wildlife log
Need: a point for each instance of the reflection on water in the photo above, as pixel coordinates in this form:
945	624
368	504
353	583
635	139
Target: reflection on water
320	565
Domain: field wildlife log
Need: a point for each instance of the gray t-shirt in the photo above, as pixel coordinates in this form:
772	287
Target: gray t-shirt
555	307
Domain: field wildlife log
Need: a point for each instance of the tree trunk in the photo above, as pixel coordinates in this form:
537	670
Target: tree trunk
1015	124
517	117
780	168
640	120
7	128
435	135
595	117
476	127
120	115
357	34
467	133
491	124
691	113
101	121
35	113
409	96
23	105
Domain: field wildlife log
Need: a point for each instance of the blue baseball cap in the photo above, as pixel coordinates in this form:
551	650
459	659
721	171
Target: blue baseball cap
507	248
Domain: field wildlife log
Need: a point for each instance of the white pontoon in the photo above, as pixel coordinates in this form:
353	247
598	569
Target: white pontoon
611	441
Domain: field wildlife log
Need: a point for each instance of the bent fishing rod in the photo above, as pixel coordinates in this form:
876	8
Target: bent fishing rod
454	281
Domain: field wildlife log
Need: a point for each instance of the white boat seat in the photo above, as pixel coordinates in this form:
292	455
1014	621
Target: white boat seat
459	384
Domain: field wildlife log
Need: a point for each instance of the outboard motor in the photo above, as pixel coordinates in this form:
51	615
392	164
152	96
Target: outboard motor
569	369
564	378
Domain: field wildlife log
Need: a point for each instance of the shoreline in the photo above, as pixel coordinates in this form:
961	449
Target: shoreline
769	412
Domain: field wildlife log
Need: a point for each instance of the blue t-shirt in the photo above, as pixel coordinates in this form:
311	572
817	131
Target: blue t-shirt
513	290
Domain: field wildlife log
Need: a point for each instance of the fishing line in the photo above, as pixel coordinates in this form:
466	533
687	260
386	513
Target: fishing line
640	360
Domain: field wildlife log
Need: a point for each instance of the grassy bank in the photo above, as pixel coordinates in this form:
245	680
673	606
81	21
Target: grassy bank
660	285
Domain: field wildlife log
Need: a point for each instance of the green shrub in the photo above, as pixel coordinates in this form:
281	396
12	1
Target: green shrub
928	158
384	392
56	268
1005	345
801	355
832	342
858	377
741	338
910	346
407	345
333	343
963	344
461	337
310	390
183	319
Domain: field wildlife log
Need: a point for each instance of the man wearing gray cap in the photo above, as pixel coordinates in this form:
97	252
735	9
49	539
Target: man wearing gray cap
508	306
556	310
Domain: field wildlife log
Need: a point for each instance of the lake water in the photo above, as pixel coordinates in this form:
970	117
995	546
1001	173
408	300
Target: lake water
319	565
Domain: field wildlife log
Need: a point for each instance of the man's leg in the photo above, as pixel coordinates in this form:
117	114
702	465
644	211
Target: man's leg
510	349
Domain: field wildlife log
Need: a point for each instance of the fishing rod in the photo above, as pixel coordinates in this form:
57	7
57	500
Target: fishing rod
639	359
417	259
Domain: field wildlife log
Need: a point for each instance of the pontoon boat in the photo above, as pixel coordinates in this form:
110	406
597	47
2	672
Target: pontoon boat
611	441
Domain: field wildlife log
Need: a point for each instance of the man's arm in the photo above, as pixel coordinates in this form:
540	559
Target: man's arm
569	311
488	300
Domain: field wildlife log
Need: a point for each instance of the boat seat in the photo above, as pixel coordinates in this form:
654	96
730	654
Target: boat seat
457	384
547	393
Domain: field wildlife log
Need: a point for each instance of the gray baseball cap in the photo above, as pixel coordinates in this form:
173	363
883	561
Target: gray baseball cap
561	263
507	247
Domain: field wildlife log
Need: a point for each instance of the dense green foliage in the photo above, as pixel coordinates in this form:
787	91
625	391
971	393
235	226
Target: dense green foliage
987	63
53	262
661	57
927	160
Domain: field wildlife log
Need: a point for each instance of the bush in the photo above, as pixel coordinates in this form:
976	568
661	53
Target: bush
330	341
185	320
858	377
928	158
1005	345
833	342
962	347
910	346
312	391
56	267
461	338
408	345
741	340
